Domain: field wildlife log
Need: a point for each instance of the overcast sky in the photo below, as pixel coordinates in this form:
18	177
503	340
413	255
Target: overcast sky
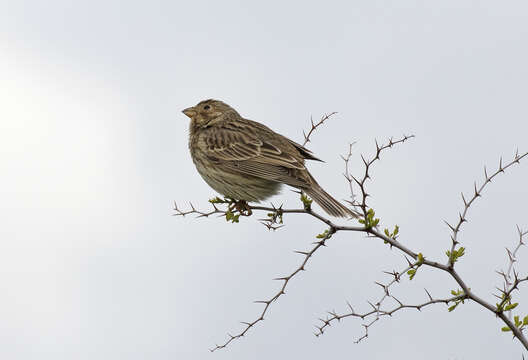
93	149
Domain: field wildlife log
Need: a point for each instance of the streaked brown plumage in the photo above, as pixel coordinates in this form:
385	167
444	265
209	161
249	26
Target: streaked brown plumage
245	160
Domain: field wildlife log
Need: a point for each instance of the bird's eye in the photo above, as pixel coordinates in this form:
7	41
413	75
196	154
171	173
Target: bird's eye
207	107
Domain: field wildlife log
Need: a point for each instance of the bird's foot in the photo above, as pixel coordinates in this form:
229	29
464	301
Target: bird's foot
243	208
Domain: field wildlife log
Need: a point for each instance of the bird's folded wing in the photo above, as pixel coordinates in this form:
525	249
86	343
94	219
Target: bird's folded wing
245	153
266	171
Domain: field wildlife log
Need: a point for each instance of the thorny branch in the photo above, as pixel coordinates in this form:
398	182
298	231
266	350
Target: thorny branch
347	175
377	312
361	182
511	281
370	226
267	303
315	126
465	293
477	192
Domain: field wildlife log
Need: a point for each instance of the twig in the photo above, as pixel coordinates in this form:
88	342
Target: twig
377	309
511	281
366	175
314	126
267	303
476	193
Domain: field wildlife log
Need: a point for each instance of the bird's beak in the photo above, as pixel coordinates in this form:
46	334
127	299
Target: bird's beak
190	112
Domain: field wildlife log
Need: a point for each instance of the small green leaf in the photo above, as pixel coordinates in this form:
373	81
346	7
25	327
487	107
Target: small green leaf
386	231
452	307
231	217
396	230
517	321
306	201
511	306
411	273
323	235
457	292
506	328
525	320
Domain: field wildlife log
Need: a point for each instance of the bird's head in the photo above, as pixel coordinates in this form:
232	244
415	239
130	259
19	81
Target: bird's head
206	111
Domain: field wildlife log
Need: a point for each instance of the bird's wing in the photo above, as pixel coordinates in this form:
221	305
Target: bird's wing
307	154
249	153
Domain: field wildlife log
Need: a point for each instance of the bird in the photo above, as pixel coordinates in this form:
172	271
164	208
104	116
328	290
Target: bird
246	161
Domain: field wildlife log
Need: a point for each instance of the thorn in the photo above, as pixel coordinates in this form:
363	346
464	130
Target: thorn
377	283
430	297
462	219
364	161
450	226
375	309
476	192
350	307
501	273
301	252
399	302
408	261
464	199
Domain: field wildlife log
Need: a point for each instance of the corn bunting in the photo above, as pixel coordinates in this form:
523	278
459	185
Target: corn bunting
247	161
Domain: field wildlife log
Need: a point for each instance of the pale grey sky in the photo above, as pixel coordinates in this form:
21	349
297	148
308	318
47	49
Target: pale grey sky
94	150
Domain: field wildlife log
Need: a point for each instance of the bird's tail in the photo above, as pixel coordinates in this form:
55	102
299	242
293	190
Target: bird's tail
328	203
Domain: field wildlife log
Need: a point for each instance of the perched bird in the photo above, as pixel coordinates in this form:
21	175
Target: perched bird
245	160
